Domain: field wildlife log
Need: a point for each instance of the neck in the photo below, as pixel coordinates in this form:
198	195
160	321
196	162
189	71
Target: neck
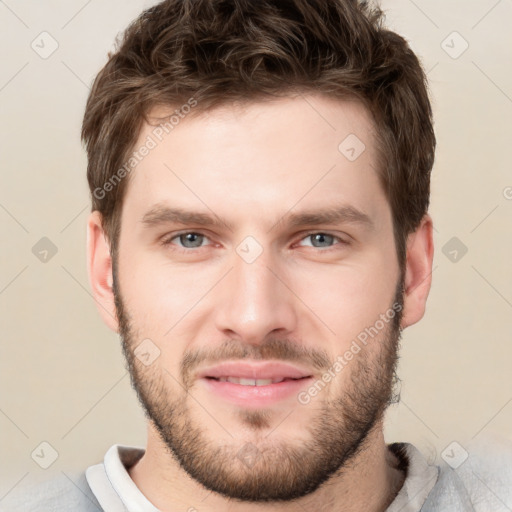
369	481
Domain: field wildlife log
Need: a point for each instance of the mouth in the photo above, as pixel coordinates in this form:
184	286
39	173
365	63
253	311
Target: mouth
254	384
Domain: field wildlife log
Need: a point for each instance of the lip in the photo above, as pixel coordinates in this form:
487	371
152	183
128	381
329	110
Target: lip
255	396
255	370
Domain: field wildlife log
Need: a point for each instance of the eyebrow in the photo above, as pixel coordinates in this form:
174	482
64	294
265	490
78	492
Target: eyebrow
331	215
162	214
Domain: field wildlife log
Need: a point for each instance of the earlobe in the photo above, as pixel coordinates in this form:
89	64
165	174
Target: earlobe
99	267
418	274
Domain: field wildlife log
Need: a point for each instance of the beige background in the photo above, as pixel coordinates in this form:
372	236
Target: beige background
62	374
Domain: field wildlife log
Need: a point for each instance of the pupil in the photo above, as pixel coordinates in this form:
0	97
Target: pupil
191	240
322	238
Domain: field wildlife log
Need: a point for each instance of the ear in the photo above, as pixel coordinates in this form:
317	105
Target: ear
418	273
99	267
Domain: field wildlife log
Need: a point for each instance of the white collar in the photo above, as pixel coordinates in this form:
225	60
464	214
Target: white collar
419	481
113	486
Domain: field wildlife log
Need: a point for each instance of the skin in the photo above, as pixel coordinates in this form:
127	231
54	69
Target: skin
253	166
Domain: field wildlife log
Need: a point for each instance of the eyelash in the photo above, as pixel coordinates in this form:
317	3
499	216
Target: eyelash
167	241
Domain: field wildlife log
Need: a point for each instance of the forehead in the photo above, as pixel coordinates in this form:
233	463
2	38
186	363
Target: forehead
254	155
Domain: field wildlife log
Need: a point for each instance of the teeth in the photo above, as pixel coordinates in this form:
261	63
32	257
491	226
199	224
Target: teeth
250	382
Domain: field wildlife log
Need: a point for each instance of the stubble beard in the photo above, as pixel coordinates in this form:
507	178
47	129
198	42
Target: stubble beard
264	470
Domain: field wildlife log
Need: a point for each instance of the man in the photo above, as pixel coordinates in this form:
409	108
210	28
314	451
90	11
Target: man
259	238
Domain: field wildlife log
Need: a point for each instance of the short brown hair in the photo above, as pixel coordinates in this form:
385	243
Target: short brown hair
224	51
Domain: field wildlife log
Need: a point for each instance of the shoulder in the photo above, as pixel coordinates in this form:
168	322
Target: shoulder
62	492
476	477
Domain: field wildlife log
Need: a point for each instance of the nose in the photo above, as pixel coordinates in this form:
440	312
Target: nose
255	301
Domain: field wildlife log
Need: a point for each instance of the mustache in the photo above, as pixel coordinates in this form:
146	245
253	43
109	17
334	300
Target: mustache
273	349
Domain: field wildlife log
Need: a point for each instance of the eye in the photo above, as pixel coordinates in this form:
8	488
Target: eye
188	240
320	240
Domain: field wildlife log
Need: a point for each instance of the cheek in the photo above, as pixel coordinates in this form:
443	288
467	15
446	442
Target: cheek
159	294
347	298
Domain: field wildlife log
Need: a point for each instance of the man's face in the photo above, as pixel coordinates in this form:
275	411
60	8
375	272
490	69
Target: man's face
260	284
